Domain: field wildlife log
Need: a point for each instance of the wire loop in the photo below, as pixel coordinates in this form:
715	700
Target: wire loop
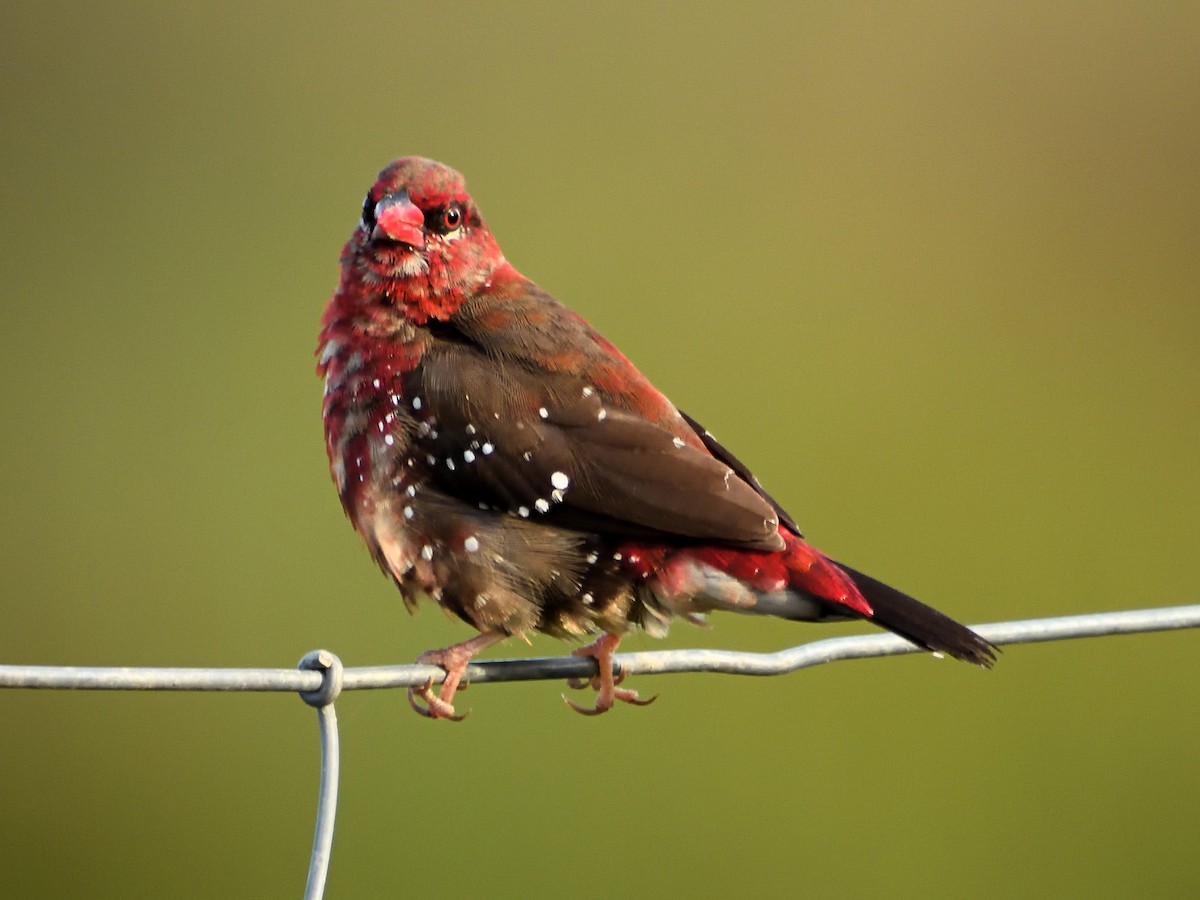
332	672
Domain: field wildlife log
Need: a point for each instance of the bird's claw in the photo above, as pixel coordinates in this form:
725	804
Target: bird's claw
434	707
593	682
602	706
604	682
632	698
454	661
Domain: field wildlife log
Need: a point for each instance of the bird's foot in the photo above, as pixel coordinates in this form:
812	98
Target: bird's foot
605	682
454	660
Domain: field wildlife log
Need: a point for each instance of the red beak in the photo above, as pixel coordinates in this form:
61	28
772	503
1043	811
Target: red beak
397	219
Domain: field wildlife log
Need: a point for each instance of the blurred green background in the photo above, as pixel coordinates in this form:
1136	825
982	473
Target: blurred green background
932	270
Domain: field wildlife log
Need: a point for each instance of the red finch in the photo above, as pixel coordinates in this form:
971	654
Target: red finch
499	455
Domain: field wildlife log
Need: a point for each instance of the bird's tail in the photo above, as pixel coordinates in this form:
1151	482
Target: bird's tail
921	624
821	588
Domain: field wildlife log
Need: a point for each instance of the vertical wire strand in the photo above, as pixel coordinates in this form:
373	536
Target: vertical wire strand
322	699
327	799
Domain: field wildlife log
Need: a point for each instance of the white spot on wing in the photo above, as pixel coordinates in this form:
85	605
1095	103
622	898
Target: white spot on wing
487	448
543	412
471	544
469	456
542	505
560	480
427	552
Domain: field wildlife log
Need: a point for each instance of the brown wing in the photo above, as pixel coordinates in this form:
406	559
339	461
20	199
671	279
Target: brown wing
717	450
509	432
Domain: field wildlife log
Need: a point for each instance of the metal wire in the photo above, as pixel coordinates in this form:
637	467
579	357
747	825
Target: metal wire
321	677
104	678
332	675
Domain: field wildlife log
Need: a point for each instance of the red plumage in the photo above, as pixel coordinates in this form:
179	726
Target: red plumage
500	456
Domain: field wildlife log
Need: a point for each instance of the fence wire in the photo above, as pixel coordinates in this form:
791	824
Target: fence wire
320	678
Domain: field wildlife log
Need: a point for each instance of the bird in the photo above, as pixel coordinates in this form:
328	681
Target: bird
498	455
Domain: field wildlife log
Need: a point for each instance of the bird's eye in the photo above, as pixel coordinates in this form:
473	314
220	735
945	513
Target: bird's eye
368	212
445	219
452	217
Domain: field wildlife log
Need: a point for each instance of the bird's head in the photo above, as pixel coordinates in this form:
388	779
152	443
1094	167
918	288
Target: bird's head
421	241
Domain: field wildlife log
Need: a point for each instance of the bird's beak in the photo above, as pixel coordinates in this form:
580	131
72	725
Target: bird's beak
397	219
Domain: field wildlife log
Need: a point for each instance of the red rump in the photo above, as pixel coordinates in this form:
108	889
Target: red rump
799	567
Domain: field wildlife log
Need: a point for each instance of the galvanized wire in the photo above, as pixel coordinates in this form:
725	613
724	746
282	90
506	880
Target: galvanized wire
659	662
332	675
321	677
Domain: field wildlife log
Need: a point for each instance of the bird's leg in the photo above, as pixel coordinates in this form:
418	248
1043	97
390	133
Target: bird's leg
605	684
454	660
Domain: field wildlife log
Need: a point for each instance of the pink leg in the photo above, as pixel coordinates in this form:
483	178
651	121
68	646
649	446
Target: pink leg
604	683
454	660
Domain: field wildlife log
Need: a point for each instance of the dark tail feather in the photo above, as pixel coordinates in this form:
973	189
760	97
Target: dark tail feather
921	624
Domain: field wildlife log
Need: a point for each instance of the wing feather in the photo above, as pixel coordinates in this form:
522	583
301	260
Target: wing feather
504	432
